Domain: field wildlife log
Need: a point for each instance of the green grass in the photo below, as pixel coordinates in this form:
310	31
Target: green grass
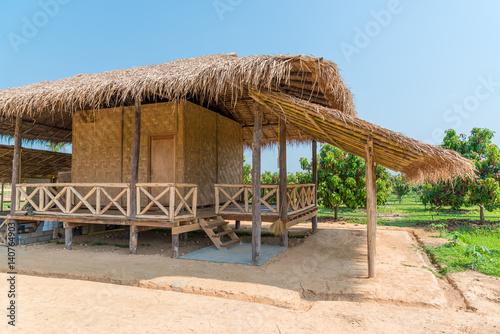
410	213
100	244
472	247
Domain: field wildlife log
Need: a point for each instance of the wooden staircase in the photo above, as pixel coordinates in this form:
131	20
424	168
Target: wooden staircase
224	231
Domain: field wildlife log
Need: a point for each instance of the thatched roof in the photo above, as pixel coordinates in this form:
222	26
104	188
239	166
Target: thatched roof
34	163
217	82
415	159
308	92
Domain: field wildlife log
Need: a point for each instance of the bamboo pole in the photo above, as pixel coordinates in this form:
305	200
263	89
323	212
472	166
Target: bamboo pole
16	162
133	240
315	181
256	205
175	246
371	206
3	187
68	238
134	176
283	203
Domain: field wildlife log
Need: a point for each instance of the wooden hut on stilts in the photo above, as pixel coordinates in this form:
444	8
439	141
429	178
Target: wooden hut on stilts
162	145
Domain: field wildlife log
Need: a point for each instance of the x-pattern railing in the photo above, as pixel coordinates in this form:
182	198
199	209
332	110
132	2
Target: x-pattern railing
167	199
75	198
240	195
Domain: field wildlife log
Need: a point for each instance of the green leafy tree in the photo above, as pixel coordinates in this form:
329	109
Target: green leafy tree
55	147
341	178
400	186
485	190
247	172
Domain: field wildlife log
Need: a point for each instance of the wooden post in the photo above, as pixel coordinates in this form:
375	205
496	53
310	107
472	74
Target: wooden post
237	224
315	181
175	246
283	191
256	203
371	206
134	176
133	240
16	162
68	237
3	186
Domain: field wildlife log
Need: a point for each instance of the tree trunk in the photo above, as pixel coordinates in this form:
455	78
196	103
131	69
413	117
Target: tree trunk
481	214
336	212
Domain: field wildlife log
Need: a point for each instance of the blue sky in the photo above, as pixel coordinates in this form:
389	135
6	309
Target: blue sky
417	67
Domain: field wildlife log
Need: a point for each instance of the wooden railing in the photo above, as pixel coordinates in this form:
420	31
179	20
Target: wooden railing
167	199
301	197
74	198
239	197
236	198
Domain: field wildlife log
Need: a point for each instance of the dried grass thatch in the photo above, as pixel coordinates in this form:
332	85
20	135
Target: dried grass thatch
312	98
34	163
217	82
417	160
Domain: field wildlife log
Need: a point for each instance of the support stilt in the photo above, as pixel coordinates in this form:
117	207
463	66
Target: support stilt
283	205
256	203
315	181
371	206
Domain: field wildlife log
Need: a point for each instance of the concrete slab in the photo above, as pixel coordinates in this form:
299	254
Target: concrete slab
237	253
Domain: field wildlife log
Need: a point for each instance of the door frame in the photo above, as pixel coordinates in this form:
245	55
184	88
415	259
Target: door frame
150	151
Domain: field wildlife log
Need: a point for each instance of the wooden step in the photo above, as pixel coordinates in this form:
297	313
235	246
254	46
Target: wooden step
231	242
223	233
217	223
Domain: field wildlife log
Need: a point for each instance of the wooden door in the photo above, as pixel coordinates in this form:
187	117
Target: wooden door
162	163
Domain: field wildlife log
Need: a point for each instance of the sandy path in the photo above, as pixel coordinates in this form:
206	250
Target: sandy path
48	305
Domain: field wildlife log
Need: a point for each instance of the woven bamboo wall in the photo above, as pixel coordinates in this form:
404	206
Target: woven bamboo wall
200	150
97	146
102	142
209	147
229	151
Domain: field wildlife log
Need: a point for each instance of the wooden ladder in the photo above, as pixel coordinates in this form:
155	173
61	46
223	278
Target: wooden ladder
209	225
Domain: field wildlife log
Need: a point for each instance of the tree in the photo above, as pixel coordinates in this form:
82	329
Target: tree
485	190
55	147
247	172
341	179
400	186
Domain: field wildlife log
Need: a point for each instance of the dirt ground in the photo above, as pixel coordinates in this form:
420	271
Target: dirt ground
317	285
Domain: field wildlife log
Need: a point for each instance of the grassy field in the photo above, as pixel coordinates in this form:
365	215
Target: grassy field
471	245
411	212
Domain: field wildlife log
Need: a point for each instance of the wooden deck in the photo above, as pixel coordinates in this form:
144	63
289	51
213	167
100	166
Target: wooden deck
155	218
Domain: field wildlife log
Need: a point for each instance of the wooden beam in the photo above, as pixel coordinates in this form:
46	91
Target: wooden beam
68	238
283	192
315	180
237	224
16	163
256	204
134	176
133	240
371	206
